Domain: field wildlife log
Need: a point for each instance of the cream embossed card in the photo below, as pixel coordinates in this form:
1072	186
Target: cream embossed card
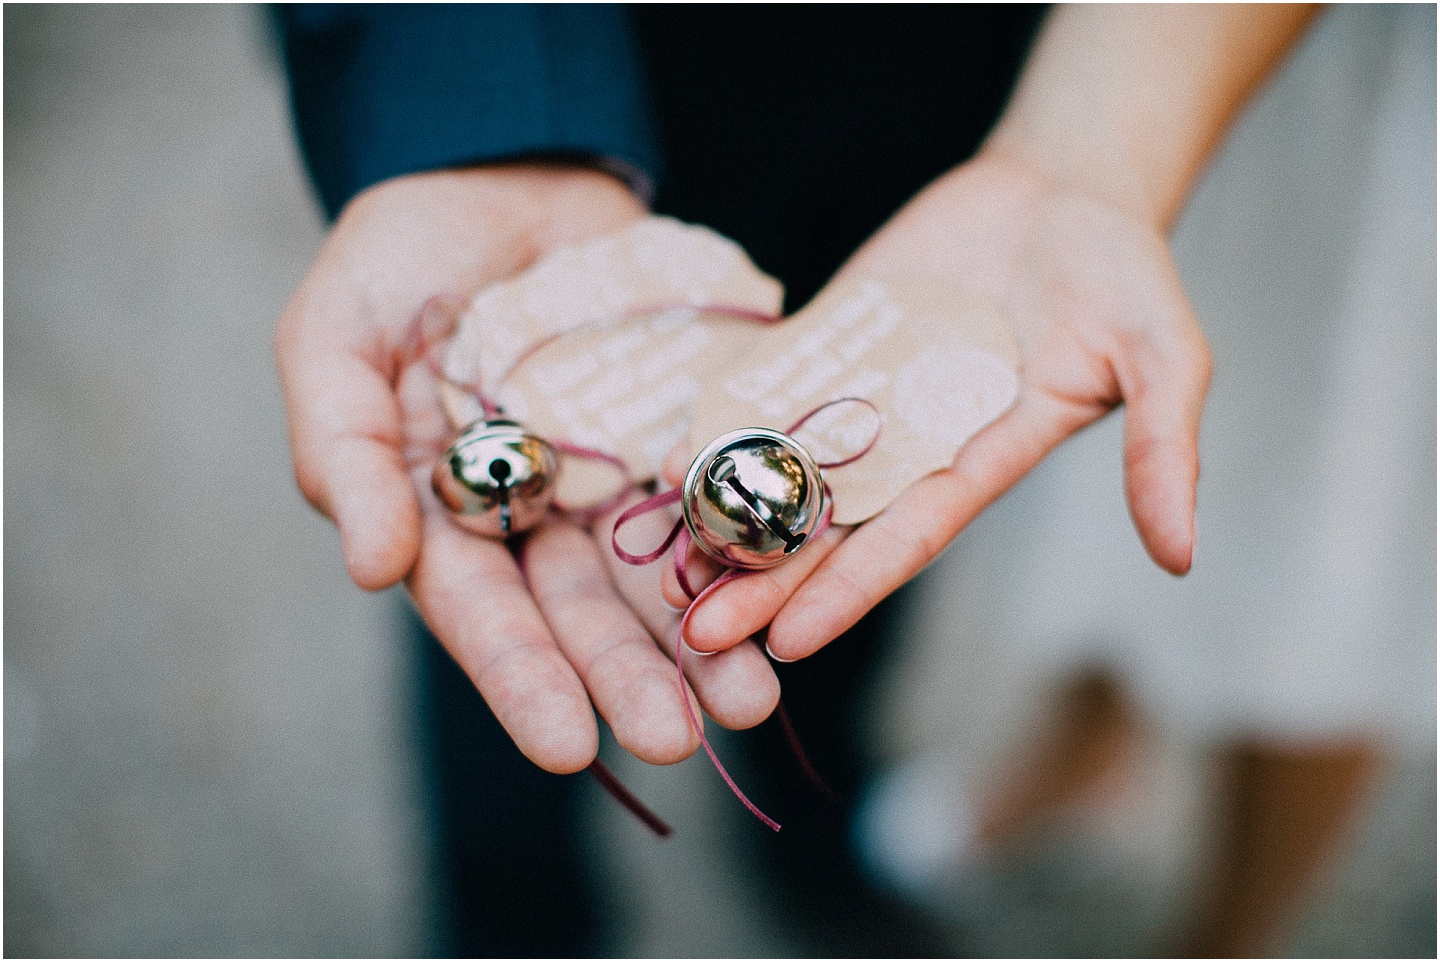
934	364
602	344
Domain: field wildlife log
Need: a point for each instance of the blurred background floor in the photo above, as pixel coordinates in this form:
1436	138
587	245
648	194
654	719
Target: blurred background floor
207	732
204	748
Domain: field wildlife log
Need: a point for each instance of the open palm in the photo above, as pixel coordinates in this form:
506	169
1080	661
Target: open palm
554	629
1101	320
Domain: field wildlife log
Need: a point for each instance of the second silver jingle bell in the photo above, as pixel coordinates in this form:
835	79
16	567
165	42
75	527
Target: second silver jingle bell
497	479
752	498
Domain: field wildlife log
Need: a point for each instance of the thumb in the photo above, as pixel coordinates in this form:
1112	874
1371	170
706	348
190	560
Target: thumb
346	440
1164	397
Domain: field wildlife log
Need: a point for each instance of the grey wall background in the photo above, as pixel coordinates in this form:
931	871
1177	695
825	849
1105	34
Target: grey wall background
205	723
202	742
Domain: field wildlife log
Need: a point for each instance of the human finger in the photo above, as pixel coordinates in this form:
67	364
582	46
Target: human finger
886	551
700	570
474	597
736	687
746	605
632	685
677	462
346	439
1164	385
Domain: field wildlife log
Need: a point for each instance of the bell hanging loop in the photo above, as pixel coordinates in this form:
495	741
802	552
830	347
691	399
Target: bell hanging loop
497	479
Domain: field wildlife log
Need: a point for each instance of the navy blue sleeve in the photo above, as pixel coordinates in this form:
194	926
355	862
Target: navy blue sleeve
381	90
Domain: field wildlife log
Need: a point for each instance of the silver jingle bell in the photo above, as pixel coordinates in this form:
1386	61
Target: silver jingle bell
496	478
752	498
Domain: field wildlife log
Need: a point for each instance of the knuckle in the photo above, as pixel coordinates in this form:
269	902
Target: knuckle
913	545
612	667
863	595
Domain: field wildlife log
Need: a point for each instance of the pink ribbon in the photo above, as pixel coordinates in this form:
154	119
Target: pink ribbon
437	318
445	310
679	537
439	315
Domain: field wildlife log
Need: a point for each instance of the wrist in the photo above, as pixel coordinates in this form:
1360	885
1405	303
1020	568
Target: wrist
457	230
535	185
1084	165
1126	104
541	201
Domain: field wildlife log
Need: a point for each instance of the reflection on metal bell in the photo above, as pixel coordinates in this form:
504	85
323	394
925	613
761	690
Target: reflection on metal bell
752	498
496	478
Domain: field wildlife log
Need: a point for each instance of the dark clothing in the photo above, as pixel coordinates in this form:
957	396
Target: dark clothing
381	90
797	131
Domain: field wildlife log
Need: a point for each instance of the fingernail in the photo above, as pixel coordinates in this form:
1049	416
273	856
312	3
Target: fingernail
784	661
702	654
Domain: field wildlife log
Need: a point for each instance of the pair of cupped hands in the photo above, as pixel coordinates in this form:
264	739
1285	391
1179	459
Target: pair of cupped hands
556	629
